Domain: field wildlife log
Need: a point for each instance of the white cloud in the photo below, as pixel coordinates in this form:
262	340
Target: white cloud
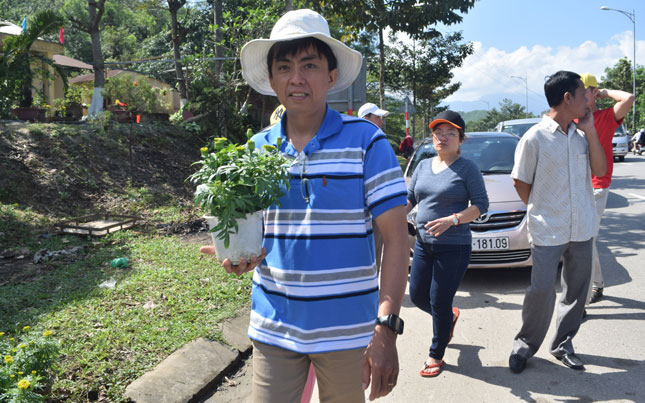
489	70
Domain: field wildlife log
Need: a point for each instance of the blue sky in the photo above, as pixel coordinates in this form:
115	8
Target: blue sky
534	38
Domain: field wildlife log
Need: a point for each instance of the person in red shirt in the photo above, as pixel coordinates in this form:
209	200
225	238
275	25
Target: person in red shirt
406	148
606	122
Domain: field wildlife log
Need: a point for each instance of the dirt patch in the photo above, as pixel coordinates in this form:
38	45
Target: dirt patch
14	270
69	170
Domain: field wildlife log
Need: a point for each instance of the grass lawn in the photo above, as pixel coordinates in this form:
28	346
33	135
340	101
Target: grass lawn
168	296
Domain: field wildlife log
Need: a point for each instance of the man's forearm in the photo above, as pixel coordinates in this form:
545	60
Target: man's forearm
523	190
624	101
597	159
396	259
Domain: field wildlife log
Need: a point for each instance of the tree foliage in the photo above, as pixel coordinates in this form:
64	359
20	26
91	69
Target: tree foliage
508	110
620	77
424	69
416	19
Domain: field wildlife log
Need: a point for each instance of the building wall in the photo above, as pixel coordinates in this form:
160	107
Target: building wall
52	89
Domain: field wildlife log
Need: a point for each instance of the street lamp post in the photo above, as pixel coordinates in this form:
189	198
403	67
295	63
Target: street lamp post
526	84
632	18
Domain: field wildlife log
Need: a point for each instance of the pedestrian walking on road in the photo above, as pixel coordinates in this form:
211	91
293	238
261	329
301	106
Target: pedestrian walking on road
316	295
554	161
449	191
638	141
606	122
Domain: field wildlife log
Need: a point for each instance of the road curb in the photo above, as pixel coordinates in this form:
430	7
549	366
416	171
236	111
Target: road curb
193	370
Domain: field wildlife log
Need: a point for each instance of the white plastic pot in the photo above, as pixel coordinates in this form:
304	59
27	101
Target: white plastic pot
245	243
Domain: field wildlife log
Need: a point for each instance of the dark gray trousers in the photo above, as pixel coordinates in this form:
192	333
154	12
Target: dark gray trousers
540	297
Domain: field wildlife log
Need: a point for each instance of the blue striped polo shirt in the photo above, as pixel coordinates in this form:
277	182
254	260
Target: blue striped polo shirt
317	290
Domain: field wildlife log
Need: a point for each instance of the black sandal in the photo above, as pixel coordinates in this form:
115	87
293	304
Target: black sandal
596	294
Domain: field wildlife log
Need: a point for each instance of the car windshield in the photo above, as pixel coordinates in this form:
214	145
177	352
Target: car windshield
620	131
518	129
493	155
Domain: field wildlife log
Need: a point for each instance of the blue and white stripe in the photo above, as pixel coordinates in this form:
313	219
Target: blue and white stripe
317	289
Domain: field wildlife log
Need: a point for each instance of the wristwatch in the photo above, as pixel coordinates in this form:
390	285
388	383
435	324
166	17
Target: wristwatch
392	321
455	219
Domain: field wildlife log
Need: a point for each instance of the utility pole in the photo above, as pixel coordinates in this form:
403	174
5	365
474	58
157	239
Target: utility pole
526	84
632	18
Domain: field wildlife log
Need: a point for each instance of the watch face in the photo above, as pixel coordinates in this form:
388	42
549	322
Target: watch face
392	321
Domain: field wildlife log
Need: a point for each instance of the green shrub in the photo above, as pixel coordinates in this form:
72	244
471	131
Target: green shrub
137	96
27	363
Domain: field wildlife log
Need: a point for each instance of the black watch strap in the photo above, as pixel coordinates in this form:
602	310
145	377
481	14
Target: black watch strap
392	321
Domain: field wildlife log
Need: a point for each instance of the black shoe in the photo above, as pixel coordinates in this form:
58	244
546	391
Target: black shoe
516	363
572	361
596	294
584	314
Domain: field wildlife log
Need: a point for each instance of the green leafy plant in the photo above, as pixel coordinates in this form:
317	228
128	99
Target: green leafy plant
236	180
137	96
27	361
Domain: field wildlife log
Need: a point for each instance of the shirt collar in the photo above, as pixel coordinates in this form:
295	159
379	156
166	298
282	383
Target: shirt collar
332	124
552	126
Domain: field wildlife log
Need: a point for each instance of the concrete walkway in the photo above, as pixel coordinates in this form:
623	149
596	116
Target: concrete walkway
190	373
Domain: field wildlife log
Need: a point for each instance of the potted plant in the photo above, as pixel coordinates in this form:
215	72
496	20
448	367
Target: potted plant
132	97
235	183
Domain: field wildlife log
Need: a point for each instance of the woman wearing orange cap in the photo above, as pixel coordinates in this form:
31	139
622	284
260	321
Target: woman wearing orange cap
449	192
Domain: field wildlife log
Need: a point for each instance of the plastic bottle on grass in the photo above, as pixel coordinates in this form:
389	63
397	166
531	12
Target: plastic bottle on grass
119	262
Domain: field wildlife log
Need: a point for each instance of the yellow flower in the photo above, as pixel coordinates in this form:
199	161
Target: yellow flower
24	329
1	334
34	372
11	339
117	102
12	376
20	372
13	350
8	359
23	384
47	333
22	345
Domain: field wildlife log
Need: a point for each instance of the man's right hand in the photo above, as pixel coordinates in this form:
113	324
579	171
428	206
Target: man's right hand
242	267
586	123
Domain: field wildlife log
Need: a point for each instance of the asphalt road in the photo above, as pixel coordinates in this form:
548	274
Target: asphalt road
610	341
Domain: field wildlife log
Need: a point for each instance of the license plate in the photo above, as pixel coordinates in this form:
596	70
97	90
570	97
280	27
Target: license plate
491	243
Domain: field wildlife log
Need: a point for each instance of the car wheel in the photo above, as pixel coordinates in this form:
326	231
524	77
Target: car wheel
621	158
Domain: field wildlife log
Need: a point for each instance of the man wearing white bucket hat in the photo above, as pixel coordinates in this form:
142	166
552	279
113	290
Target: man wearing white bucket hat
316	297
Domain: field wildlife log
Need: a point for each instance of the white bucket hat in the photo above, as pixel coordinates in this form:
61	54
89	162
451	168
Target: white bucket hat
295	25
373	109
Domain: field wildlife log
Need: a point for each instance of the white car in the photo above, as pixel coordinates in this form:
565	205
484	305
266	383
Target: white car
516	126
620	143
500	237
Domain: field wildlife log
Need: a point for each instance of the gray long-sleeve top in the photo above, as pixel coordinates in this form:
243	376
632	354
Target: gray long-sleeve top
447	192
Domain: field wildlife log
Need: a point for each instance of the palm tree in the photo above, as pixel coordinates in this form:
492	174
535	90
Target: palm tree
15	62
